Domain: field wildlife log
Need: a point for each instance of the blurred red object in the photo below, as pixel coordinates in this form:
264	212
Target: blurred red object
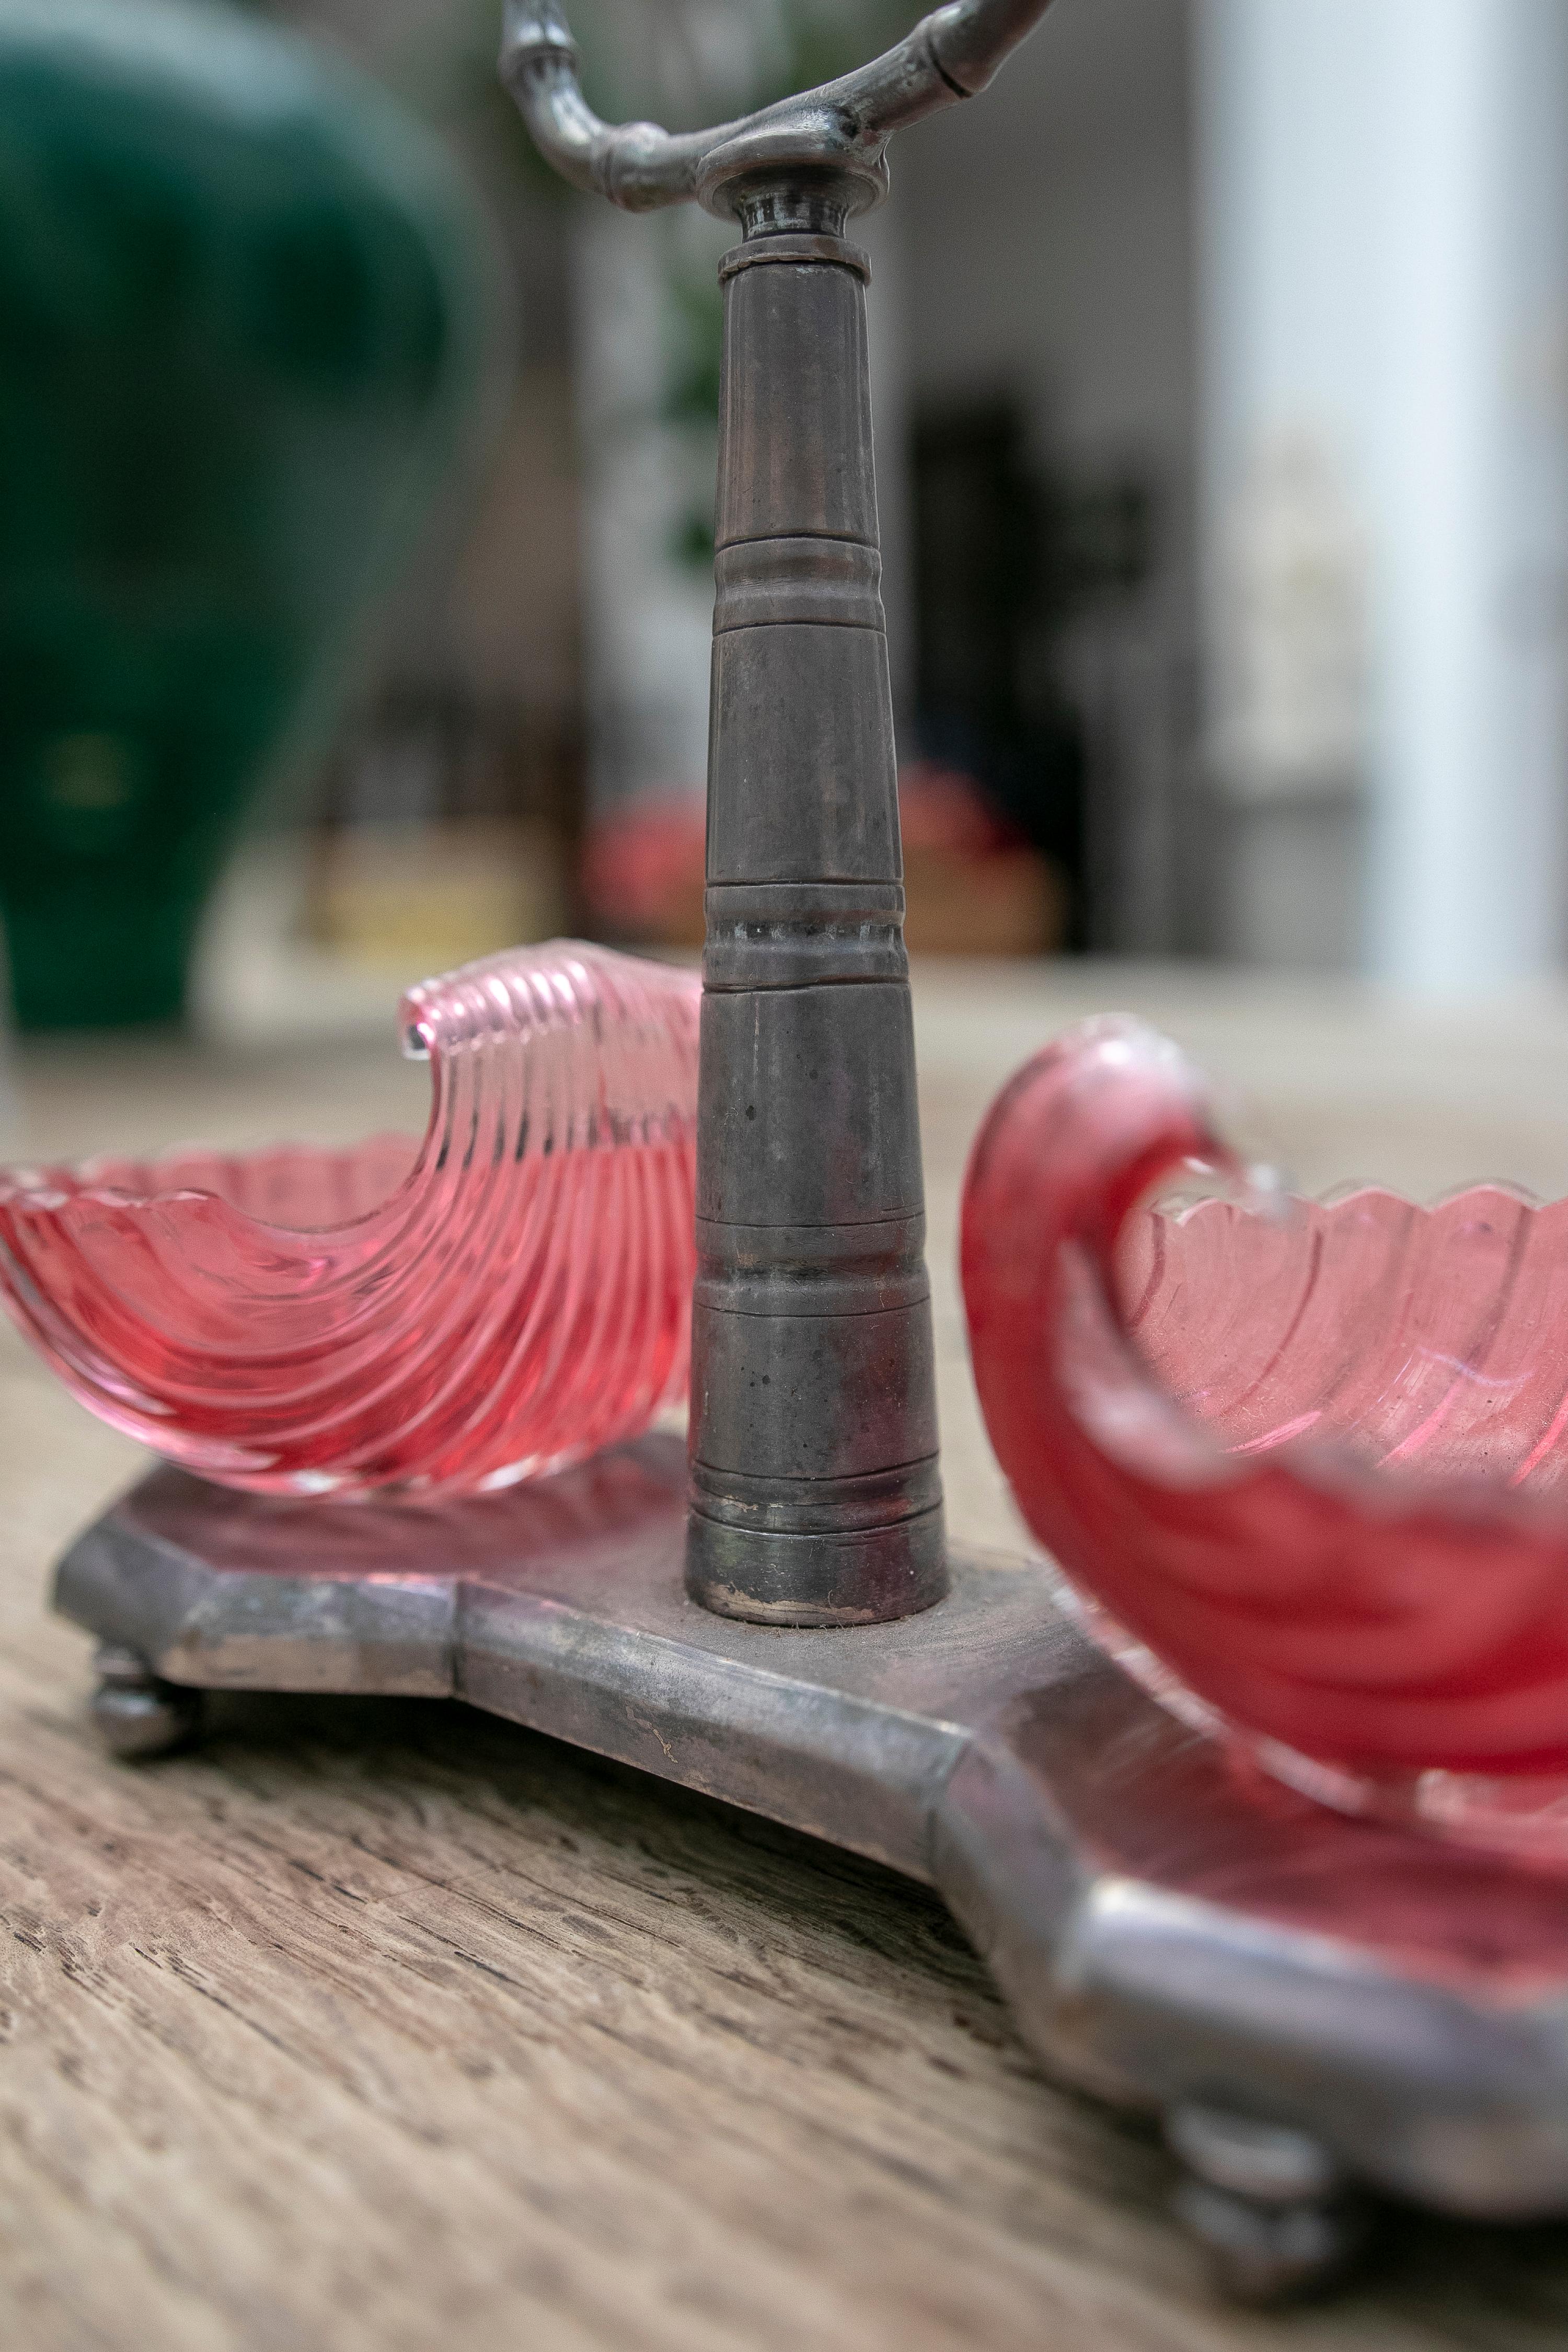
1314	1457
643	869
444	1317
944	811
973	885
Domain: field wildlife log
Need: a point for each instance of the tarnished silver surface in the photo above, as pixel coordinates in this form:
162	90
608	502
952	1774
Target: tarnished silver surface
136	1713
1265	2253
1267	2163
951	54
1269	2204
816	1492
1314	2004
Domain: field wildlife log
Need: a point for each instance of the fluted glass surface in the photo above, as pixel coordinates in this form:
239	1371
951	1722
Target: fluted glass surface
446	1316
1312	1457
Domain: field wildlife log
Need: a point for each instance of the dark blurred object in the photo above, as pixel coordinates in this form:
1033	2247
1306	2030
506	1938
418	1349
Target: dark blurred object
1008	560
242	327
451	829
973	883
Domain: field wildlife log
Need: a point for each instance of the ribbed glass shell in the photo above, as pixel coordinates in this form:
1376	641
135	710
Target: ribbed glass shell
1309	1456
443	1317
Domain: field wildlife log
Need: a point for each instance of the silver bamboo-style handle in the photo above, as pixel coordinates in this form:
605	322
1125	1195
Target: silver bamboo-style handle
815	1495
950	55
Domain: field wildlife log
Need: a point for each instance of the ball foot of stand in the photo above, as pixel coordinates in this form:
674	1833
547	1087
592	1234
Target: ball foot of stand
1268	2206
136	1713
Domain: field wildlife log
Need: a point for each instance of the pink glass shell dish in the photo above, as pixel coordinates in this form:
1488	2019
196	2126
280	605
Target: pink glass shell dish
444	1316
1308	1461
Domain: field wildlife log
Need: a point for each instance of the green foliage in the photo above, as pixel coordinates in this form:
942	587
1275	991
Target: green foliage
825	38
694	327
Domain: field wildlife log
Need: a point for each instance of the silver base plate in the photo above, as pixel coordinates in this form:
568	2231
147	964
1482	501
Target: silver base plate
1315	2005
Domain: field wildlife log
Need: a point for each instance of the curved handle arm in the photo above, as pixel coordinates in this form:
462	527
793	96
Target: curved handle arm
950	55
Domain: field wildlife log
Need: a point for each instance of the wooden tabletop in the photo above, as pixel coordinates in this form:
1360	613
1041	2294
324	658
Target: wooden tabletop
383	2026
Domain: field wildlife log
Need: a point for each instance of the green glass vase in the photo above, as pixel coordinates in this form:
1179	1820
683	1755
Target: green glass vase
244	314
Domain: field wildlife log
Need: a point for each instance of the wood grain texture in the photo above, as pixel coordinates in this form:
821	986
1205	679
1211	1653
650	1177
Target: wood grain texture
385	2026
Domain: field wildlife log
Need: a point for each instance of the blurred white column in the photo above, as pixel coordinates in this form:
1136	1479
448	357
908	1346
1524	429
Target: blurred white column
648	613
1384	233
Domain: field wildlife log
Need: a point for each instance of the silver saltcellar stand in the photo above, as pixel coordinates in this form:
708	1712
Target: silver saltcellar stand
1317	2009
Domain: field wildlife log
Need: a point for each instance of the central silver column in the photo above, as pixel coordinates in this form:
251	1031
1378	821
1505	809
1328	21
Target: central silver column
815	1498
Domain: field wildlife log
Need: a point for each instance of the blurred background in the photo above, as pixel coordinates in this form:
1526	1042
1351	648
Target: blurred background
358	481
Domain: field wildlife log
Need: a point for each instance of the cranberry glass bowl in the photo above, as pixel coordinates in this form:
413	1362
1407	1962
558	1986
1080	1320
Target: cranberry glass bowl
1309	1458
444	1317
